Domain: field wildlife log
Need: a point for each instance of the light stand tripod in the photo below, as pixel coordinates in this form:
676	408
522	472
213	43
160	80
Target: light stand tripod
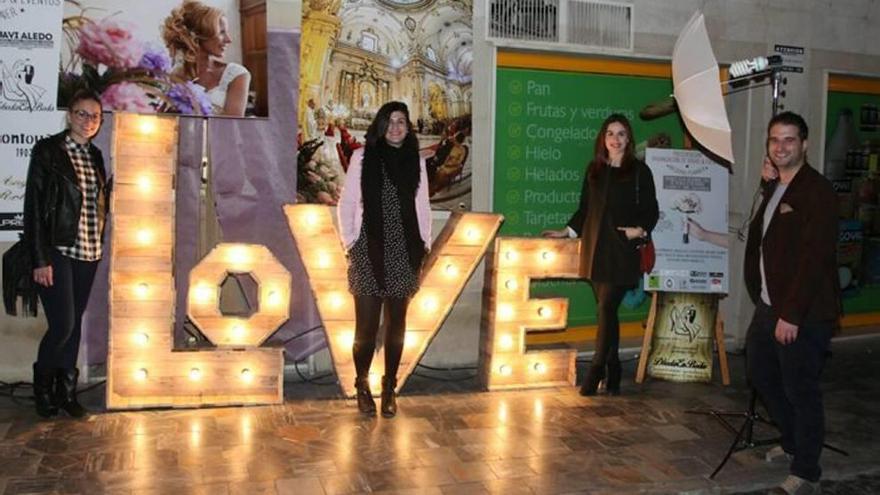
744	435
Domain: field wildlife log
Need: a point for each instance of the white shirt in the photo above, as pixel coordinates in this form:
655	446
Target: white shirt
217	94
772	204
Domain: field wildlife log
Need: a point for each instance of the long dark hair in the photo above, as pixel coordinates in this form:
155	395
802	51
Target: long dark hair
379	126
405	177
600	152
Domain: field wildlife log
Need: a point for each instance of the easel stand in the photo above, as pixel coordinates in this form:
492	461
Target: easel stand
649	335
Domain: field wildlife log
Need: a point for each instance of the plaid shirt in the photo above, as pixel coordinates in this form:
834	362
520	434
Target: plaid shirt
88	240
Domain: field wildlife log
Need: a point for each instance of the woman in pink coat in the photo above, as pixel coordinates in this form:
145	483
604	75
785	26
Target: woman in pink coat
385	223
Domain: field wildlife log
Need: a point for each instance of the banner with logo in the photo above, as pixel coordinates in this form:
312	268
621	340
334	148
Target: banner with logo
30	44
681	347
30	41
691	237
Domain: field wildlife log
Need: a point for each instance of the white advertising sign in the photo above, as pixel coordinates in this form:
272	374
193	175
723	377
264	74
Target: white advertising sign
30	47
16	140
30	44
691	237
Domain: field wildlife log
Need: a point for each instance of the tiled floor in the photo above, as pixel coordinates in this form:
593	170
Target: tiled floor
449	438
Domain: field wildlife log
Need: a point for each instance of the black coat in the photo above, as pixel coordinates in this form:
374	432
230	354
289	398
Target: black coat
606	203
799	250
53	200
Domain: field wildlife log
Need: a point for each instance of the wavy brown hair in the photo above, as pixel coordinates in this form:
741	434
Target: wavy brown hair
186	28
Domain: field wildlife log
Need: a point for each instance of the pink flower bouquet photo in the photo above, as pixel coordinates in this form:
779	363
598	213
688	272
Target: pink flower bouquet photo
191	57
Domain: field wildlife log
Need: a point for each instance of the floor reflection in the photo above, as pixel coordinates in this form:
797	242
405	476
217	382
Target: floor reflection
444	440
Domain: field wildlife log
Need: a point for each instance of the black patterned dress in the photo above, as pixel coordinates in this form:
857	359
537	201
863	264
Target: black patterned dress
400	279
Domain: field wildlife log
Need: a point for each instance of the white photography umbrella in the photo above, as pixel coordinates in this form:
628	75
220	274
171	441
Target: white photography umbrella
696	82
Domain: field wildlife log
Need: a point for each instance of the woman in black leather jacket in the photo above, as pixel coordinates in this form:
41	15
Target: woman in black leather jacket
64	210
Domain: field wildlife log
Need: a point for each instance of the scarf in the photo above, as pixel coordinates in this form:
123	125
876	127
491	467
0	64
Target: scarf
402	167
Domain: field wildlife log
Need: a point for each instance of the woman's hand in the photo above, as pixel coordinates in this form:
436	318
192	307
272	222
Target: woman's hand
43	276
555	234
633	232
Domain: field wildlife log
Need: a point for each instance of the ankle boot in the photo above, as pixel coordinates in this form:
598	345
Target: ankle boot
612	385
389	396
366	404
43	381
591	382
65	392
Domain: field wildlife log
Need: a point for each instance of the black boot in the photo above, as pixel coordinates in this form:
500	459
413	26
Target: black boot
366	405
389	396
43	381
591	382
65	392
612	385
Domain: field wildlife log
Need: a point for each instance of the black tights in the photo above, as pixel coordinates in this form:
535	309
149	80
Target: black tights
367	310
608	299
64	304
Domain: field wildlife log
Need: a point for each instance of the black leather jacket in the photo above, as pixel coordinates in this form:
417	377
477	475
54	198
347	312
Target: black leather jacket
52	198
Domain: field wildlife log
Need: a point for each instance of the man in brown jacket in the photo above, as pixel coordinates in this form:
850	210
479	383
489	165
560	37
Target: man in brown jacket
791	276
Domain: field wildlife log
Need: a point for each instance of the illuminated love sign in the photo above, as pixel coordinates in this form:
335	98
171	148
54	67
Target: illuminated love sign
144	369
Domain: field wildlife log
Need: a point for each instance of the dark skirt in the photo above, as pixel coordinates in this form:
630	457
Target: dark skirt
401	280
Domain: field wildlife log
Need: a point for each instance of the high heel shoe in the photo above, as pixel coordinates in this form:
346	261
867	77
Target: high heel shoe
591	381
366	404
389	397
612	384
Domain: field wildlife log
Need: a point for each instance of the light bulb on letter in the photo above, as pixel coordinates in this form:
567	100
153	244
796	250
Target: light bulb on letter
247	375
195	374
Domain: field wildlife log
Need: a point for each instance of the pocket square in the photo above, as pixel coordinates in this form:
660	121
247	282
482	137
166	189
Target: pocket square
785	208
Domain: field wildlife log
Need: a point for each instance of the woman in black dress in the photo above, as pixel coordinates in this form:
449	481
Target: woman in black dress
385	226
618	209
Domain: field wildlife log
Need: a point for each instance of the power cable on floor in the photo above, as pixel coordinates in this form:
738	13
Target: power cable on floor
314	380
454	368
8	389
441	379
301	334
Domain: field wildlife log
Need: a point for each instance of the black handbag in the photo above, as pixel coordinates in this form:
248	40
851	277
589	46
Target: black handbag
18	281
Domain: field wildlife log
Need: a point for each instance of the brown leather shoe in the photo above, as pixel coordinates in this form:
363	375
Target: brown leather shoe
389	397
366	404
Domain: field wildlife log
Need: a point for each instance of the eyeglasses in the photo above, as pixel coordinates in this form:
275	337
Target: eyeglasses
83	115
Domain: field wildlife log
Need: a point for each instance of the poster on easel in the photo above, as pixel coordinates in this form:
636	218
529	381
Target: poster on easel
691	273
681	345
691	235
30	41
